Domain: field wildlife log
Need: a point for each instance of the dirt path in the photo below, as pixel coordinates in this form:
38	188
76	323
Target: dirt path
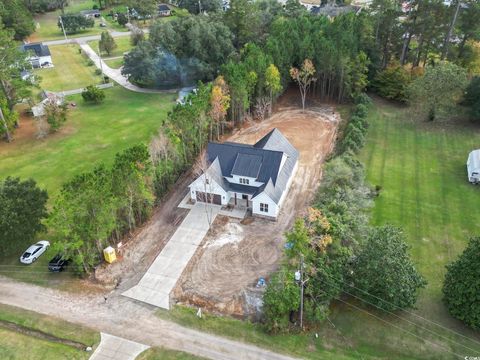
235	254
131	320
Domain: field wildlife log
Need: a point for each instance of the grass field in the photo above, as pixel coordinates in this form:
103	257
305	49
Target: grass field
123	46
14	345
115	63
47	28
70	70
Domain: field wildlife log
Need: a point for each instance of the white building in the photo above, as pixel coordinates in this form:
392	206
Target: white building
256	176
40	56
473	166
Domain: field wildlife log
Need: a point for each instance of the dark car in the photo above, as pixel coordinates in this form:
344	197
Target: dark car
58	263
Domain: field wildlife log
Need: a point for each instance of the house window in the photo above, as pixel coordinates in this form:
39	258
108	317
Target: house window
244	181
264	207
207	181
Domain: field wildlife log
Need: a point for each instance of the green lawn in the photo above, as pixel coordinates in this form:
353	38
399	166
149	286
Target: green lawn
421	169
70	70
47	28
91	135
165	354
123	46
115	63
14	345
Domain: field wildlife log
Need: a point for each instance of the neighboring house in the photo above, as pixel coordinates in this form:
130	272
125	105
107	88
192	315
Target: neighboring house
164	10
40	56
473	166
332	11
90	14
27	75
256	176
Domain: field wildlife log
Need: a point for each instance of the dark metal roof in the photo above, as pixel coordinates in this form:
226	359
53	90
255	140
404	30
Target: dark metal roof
163	7
262	161
247	165
38	48
90	12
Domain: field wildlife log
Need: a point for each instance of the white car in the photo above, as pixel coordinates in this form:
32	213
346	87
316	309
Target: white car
34	251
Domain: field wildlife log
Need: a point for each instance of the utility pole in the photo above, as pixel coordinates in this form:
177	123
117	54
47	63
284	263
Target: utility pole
301	292
299	274
63	28
446	42
101	65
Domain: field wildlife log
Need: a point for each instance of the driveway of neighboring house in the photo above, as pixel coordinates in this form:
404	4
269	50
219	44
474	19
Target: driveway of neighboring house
160	279
115	348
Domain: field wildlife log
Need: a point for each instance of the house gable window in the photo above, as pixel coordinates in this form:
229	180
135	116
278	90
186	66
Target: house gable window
264	207
244	181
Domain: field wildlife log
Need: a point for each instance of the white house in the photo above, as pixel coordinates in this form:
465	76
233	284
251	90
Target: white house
256	176
473	166
40	56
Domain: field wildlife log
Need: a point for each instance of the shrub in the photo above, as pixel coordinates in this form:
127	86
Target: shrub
392	83
361	110
93	94
90	62
95	7
122	19
98	72
362	99
472	97
462	286
398	286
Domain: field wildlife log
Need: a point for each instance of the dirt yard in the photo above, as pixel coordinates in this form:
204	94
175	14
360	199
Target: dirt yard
222	276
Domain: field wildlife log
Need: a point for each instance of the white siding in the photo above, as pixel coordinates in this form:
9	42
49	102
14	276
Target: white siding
212	187
235	179
264	199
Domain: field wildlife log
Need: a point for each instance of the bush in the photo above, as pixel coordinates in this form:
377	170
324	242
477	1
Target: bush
93	94
362	99
98	72
95	7
90	62
361	110
122	19
397	287
472	97
461	288
392	83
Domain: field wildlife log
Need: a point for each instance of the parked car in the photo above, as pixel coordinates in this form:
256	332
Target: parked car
33	252
58	263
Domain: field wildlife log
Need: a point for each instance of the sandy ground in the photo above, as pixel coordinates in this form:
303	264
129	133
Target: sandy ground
222	276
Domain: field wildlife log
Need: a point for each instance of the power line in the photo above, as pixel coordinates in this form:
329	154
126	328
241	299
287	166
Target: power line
398	307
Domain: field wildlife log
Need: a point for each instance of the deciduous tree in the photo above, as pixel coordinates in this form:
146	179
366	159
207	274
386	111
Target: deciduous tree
22	210
397	288
304	77
462	285
107	42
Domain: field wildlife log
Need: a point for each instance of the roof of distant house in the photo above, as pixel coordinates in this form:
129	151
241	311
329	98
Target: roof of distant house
163	7
335	10
38	48
270	161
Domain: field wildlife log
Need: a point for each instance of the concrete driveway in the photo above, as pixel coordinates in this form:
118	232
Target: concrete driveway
115	348
160	279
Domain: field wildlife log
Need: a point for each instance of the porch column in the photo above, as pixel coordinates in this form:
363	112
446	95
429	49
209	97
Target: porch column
235	198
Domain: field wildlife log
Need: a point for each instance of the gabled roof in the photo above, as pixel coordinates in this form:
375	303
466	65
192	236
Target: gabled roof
38	48
247	165
163	7
262	161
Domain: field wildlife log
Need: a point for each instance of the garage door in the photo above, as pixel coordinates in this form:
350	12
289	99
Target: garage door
212	198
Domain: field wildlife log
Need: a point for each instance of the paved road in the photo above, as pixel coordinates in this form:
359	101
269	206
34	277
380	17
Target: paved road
84	39
116	74
115	348
128	319
160	279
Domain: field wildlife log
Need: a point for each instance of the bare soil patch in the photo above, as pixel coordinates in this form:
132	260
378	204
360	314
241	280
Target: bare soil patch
235	254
